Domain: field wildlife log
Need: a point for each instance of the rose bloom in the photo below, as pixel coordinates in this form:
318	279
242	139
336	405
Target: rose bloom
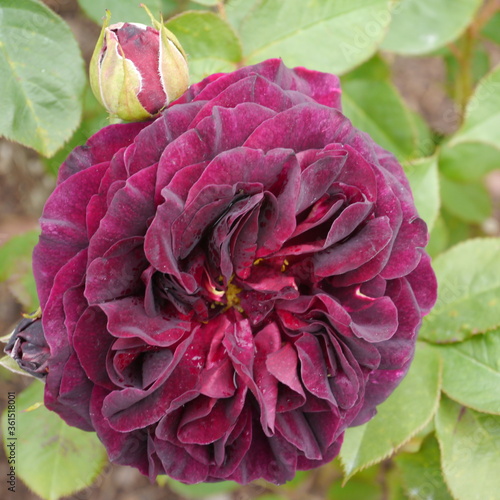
227	288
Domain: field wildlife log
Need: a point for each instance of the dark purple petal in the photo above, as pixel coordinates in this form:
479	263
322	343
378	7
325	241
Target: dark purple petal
117	273
302	127
149	144
92	352
100	148
127	318
377	322
123	448
313	368
127	214
424	284
63	225
356	251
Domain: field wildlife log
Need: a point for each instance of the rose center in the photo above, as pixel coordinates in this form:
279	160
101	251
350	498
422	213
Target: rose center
231	295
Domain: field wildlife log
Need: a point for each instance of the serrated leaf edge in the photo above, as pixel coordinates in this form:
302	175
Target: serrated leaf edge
443	255
441	461
43	146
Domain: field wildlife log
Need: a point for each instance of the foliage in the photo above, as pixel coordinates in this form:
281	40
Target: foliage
437	436
41	104
52	458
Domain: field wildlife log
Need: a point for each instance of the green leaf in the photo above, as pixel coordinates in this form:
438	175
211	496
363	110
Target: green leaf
11	365
210	43
319	34
468	161
421	26
422	472
439	238
52	458
492	29
172	7
16	270
458	230
425	141
468	292
468	201
295	483
364	486
482	116
41	76
208	3
395	490
470	451
424	182
238	10
365	102
126	11
95	117
373	69
169	6
367	94
471	373
16	252
203	489
408	410
355	489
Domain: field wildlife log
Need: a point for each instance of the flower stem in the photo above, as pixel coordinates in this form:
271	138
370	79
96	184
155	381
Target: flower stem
465	81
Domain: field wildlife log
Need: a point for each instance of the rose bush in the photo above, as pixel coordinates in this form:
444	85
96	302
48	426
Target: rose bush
227	288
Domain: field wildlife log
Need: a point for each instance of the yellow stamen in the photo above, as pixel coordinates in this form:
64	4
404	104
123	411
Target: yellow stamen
232	297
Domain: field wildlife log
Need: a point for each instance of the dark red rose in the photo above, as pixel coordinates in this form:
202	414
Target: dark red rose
229	287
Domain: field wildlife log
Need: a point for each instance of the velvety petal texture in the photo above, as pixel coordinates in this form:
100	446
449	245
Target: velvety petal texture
227	288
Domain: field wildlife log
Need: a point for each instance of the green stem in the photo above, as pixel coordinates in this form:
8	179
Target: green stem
465	81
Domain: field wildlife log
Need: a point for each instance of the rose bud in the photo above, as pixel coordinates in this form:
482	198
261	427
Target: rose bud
28	347
137	70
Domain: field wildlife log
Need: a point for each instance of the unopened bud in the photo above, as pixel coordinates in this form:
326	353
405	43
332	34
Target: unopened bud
136	70
27	346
